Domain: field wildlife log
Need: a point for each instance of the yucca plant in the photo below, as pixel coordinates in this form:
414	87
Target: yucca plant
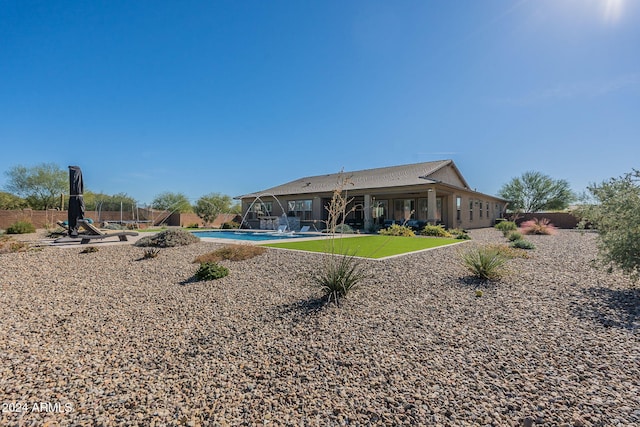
484	262
339	277
340	272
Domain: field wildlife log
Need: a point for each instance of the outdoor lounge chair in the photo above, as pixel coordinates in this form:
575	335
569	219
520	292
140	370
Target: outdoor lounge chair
304	228
282	229
93	233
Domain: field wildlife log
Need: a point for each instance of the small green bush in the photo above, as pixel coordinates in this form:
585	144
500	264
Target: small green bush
512	236
506	226
193	225
460	234
89	250
485	263
168	239
523	244
435	231
21	227
344	229
211	271
397	230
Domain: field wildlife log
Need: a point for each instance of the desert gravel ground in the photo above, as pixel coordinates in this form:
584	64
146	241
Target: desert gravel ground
106	338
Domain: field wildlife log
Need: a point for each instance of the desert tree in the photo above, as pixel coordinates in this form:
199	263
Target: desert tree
174	202
535	192
615	212
209	206
40	185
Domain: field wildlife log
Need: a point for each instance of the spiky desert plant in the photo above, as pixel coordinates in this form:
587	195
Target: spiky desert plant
538	226
150	253
514	235
341	271
485	263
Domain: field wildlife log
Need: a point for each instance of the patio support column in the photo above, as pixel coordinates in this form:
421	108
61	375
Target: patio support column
431	205
368	221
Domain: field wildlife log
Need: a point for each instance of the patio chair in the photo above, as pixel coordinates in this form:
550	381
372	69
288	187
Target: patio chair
282	229
92	232
304	228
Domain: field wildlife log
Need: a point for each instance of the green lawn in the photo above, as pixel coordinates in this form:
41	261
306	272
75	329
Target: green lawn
368	246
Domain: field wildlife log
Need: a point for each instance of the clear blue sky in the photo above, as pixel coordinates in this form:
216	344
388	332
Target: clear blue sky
238	96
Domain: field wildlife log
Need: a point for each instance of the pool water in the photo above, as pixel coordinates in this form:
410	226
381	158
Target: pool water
253	236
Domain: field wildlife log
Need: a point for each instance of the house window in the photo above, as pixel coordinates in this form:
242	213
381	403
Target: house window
458	208
423	211
480	209
300	209
404	209
259	208
470	209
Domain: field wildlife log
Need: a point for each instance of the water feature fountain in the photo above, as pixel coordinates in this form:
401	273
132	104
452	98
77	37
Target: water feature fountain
258	198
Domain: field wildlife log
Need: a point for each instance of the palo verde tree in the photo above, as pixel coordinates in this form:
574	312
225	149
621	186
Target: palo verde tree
535	192
616	216
208	207
10	201
39	185
174	202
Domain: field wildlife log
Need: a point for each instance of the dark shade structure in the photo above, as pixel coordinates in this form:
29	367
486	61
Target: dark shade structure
76	202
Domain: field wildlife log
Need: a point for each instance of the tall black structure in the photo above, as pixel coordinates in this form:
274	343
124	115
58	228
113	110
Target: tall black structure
76	202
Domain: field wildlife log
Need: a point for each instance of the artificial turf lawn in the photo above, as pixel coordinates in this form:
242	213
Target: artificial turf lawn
367	246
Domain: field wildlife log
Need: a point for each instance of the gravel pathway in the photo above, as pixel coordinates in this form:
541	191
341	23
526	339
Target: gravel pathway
106	338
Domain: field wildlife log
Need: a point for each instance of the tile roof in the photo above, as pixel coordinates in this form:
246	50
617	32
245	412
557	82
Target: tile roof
392	176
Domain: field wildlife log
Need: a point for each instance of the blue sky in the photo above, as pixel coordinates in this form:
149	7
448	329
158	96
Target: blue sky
235	97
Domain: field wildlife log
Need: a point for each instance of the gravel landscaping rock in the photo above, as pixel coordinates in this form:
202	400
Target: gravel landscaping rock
109	338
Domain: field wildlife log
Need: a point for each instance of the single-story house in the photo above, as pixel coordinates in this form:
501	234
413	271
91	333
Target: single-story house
434	192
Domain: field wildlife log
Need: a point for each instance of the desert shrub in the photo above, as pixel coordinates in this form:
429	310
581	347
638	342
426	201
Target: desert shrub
21	227
150	253
89	250
231	253
9	244
193	225
168	239
506	226
615	213
211	271
522	244
339	277
485	263
397	230
435	231
512	236
538	226
229	225
343	229
459	234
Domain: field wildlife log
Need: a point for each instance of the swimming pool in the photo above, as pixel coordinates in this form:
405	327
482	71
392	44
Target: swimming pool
254	236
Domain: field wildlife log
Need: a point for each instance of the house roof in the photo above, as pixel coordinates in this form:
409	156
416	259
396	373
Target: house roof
392	176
